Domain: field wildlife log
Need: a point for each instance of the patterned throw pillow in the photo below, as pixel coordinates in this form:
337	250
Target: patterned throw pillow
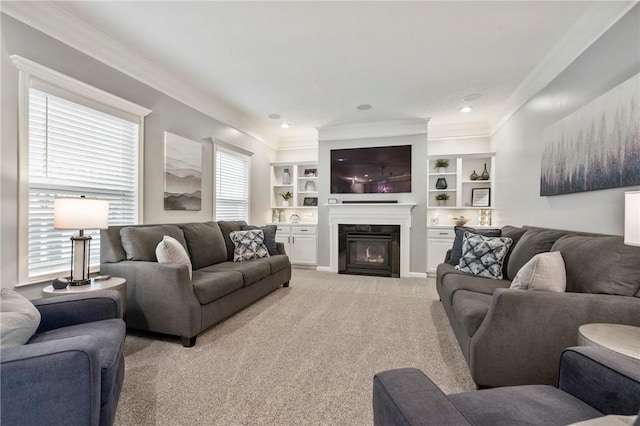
249	245
483	256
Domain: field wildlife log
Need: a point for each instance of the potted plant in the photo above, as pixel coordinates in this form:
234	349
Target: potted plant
286	196
442	165
442	199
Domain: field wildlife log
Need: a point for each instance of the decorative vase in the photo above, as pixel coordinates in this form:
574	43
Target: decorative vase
310	186
485	173
474	176
442	203
274	216
285	203
441	183
286	177
442	170
281	216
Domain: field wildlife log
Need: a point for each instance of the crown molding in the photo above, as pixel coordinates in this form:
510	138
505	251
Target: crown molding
59	23
582	34
298	142
374	129
459	130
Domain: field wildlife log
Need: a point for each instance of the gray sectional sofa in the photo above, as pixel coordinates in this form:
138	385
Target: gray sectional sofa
161	297
515	337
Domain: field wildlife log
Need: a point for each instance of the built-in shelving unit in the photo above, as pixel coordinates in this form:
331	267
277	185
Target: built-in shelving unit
302	183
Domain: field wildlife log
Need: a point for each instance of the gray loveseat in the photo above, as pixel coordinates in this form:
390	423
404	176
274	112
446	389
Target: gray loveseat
594	382
515	337
162	298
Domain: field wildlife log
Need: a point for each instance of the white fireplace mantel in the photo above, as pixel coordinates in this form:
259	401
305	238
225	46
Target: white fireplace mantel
371	214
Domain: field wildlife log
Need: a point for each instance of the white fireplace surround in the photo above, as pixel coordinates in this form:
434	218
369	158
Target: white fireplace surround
371	214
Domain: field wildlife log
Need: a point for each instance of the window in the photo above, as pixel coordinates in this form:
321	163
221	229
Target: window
232	185
78	142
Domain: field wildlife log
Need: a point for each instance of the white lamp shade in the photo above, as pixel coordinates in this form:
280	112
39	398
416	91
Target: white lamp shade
80	213
632	218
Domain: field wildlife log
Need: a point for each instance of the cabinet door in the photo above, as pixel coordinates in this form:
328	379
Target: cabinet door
303	249
286	240
436	251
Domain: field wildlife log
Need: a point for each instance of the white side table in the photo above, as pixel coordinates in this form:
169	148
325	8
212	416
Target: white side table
624	339
113	283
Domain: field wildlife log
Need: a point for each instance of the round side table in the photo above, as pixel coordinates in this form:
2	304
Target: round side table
113	283
624	339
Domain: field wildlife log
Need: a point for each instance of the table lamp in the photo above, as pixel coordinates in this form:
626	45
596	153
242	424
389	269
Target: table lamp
82	214
632	218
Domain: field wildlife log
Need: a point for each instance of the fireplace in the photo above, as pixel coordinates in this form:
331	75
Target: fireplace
369	250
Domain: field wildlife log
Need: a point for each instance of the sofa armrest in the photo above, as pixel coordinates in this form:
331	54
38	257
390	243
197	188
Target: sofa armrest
524	332
160	297
54	382
63	311
408	397
447	256
606	380
281	249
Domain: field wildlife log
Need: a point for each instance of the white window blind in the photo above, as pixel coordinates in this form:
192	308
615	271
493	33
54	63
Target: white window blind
232	186
76	150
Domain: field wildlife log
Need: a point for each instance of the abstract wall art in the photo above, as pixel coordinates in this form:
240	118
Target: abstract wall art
595	147
182	173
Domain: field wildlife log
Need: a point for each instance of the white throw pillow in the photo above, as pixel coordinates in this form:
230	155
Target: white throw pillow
169	250
544	272
19	319
610	420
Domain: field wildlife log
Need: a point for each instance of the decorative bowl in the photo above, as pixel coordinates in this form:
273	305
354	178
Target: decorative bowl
460	221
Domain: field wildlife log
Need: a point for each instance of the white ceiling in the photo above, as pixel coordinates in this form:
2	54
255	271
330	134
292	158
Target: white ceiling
314	62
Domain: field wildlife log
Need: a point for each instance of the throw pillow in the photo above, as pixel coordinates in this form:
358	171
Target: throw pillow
205	243
19	319
456	250
169	250
140	242
544	272
482	255
269	237
610	420
249	245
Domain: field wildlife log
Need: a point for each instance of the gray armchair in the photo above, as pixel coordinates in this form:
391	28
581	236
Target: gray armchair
593	382
71	371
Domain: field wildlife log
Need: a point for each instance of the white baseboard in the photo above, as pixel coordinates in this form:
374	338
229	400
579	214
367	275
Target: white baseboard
417	275
323	268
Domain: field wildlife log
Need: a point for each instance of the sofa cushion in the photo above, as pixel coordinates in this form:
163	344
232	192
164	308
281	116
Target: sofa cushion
544	272
456	250
210	286
205	243
109	335
249	245
269	237
533	241
600	265
523	405
482	255
227	227
19	319
470	309
140	242
252	270
278	262
515	234
169	250
454	280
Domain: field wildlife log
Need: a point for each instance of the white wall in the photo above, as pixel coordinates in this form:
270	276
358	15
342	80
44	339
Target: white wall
611	60
167	115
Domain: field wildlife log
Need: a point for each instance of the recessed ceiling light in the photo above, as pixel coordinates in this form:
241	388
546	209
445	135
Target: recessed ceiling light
274	116
472	97
364	107
340	159
466	109
285	125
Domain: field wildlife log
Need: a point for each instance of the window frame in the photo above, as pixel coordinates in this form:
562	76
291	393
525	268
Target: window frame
32	74
245	156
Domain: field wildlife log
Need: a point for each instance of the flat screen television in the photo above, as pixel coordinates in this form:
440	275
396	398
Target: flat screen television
378	170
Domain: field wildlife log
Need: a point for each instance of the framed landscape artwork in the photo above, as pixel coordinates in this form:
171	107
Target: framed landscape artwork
595	147
182	173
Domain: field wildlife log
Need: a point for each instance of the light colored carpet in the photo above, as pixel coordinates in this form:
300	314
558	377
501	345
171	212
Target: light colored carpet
302	355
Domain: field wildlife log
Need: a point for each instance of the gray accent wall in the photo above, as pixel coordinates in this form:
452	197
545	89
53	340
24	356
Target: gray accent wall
167	115
611	60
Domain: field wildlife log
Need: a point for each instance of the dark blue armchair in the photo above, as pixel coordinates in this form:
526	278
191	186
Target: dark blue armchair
593	382
71	371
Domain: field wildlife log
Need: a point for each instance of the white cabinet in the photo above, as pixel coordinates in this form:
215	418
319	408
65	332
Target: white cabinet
300	242
439	240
